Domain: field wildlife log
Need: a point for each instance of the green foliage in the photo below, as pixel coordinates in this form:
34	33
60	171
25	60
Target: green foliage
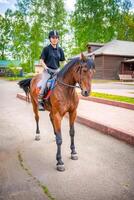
13	71
23	6
127	28
75	51
26	67
4	36
101	21
25	30
11	65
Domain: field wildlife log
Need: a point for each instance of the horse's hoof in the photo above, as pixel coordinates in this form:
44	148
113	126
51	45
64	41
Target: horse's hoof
37	137
60	168
74	157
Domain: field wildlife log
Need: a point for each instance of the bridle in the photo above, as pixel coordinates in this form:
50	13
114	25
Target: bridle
68	85
74	86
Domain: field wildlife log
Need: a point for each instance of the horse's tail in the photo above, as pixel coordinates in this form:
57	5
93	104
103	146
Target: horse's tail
25	85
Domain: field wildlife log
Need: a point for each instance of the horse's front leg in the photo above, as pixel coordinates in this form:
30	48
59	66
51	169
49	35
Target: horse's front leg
57	129
72	117
51	119
35	109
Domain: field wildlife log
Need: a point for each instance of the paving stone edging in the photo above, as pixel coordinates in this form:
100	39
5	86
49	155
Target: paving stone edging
119	134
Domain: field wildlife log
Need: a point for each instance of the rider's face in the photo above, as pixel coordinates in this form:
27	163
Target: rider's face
54	40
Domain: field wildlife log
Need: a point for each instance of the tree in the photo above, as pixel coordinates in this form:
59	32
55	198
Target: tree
4	36
98	21
20	36
24	6
58	18
49	15
30	24
42	16
127	27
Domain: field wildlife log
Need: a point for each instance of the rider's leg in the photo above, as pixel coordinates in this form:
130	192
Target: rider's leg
45	77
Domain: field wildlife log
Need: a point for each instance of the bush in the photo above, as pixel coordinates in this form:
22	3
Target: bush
26	67
14	71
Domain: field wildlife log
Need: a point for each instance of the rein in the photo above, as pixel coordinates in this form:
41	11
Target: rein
73	86
68	85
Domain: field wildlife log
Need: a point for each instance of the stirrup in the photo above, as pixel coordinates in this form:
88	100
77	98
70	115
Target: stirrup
40	106
40	103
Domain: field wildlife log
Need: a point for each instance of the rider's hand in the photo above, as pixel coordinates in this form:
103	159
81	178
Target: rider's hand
43	64
45	67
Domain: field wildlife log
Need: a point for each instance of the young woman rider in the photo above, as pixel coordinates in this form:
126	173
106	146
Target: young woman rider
50	60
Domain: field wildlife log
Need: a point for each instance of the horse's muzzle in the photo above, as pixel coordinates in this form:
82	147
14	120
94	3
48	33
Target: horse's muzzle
85	93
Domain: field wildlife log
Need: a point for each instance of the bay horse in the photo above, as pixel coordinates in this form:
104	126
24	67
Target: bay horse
64	99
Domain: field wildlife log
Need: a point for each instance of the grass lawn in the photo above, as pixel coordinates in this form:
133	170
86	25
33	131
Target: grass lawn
113	97
103	81
18	78
14	78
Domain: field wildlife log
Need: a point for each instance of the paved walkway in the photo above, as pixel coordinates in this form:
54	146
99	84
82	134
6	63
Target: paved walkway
112	120
104	170
15	183
116	88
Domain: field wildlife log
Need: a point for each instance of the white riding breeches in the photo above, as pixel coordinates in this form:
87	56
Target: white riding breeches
45	77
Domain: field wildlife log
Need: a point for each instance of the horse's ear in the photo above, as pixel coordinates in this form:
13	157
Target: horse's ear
82	57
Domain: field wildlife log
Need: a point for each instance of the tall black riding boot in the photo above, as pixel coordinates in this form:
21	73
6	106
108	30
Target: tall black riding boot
40	103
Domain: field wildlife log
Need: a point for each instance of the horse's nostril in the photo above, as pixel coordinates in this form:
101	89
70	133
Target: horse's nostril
86	93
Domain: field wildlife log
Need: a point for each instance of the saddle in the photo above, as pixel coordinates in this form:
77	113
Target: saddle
49	87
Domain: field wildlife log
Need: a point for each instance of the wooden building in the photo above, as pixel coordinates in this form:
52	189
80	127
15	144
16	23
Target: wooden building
38	67
127	66
94	46
114	58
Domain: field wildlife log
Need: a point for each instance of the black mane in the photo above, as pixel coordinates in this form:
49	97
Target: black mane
65	69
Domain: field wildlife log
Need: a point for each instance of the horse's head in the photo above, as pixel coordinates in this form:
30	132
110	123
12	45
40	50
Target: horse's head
84	73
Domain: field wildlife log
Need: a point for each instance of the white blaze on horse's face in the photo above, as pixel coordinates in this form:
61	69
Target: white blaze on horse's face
85	80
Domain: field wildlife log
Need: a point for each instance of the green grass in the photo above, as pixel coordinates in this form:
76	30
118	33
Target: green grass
113	97
103	81
14	78
17	78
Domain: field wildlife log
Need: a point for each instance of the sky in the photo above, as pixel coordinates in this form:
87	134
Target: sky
4	4
69	4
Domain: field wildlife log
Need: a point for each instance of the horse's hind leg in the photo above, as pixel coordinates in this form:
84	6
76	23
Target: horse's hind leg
35	109
72	117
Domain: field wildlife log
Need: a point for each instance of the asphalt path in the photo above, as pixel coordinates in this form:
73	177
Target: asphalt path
116	88
104	170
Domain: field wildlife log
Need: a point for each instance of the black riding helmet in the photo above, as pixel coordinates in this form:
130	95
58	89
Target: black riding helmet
53	34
